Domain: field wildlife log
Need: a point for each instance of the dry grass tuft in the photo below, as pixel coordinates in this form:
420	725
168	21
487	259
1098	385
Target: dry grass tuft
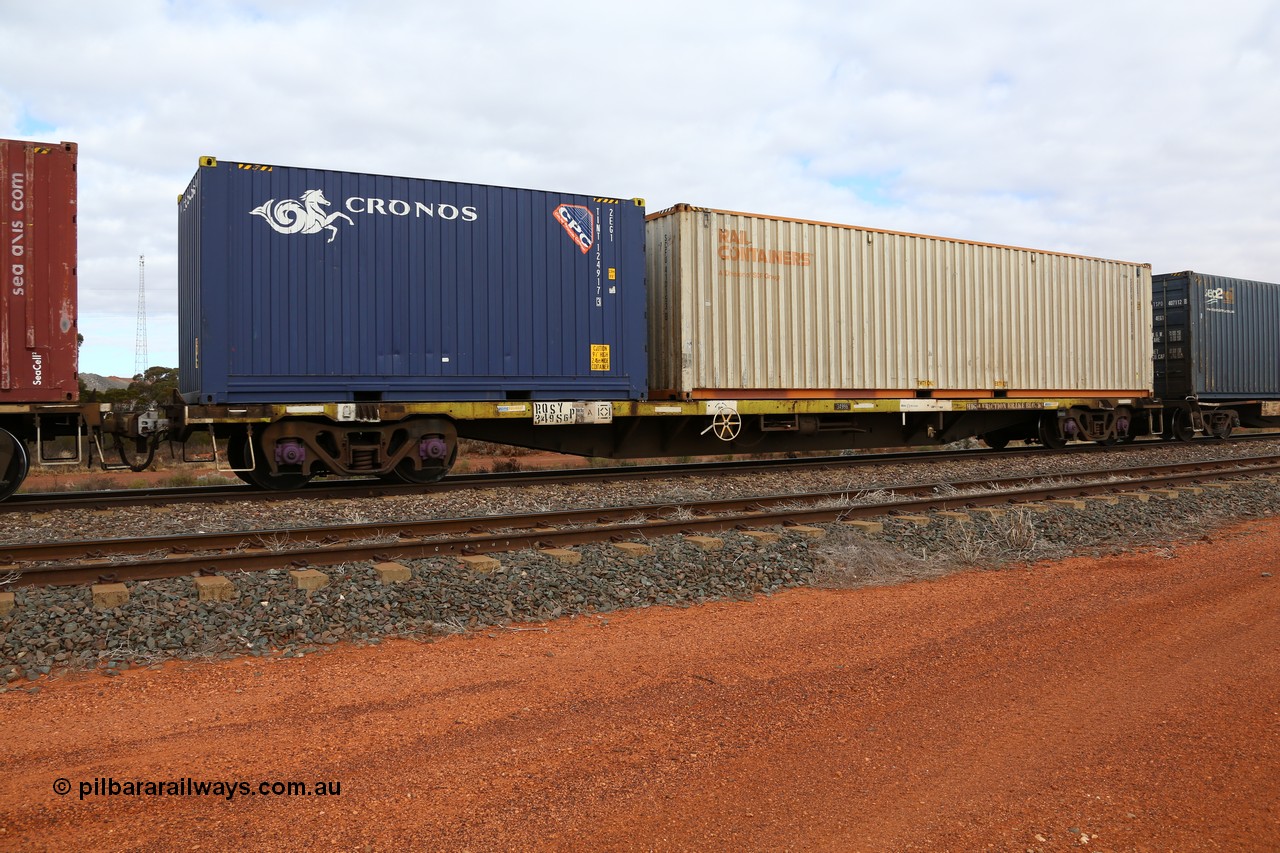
1010	538
848	560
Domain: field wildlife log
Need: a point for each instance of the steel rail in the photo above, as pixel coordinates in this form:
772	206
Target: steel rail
364	488
359	488
485	534
190	543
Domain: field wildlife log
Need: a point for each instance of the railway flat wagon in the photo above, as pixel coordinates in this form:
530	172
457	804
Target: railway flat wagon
1217	352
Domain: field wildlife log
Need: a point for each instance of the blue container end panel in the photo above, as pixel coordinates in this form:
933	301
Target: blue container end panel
301	285
1216	338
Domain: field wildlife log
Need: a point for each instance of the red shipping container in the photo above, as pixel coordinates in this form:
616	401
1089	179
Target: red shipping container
38	354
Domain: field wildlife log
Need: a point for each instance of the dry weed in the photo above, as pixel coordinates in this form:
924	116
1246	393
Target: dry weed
847	559
276	542
1012	537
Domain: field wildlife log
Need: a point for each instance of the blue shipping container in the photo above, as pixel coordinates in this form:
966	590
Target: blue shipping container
1216	338
307	285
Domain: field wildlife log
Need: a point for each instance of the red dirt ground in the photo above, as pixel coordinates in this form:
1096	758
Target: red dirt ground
1119	704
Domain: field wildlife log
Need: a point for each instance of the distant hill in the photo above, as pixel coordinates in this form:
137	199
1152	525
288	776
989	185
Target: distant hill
94	382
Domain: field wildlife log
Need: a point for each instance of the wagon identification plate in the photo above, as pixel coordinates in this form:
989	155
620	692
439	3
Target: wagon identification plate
559	414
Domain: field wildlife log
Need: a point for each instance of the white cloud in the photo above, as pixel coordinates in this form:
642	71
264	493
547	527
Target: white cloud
1142	130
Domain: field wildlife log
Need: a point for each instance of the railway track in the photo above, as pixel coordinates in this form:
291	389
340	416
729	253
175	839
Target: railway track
45	501
79	562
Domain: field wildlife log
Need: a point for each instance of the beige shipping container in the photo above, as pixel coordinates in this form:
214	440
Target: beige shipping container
742	305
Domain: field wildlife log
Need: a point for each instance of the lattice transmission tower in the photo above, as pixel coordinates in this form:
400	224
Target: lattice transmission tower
140	338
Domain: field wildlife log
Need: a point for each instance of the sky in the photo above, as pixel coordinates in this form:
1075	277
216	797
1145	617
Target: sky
1140	131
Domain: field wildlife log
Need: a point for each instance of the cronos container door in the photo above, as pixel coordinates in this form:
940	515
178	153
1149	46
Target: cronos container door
314	285
38	304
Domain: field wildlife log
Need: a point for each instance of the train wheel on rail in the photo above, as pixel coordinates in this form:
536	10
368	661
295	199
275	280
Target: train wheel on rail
1125	425
1181	428
995	441
1220	427
436	452
261	476
406	473
238	457
1048	433
14	463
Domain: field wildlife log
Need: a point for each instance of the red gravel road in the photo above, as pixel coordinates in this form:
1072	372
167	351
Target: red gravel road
1122	704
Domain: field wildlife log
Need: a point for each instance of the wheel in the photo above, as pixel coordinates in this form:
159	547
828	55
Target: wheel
261	475
1049	433
435	443
1125	426
1181	428
995	442
238	457
428	474
14	463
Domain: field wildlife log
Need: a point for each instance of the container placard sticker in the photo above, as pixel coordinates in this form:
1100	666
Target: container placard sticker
599	356
579	223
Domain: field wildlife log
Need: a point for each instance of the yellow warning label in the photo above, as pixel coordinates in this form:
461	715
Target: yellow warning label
599	356
613	273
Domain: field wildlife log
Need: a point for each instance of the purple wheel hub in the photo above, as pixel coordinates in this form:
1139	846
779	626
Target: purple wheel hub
433	447
290	451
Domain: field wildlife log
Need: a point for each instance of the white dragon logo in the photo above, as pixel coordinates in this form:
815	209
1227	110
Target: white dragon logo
301	217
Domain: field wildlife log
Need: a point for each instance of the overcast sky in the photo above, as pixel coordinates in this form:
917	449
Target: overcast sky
1142	131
